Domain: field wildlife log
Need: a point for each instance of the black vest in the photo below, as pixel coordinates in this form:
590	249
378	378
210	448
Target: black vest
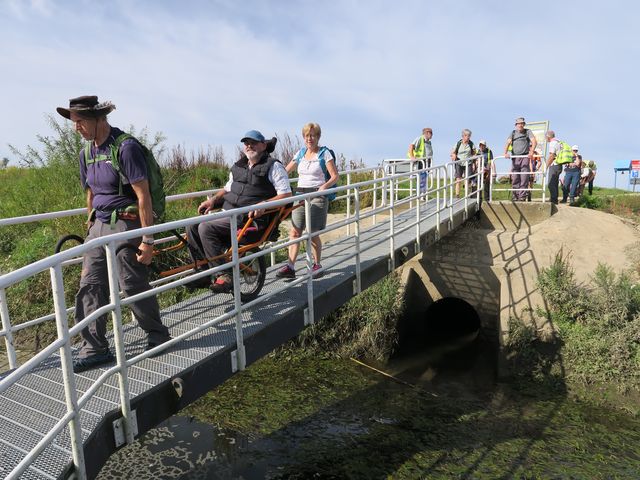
250	185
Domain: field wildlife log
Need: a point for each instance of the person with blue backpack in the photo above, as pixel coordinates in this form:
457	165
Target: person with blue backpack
316	172
124	192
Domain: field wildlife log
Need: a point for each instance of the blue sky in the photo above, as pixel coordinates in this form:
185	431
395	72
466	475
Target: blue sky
371	73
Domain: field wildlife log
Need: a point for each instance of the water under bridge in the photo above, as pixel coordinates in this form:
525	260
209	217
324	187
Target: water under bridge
57	424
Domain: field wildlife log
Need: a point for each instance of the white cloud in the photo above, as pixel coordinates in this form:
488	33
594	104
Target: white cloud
372	73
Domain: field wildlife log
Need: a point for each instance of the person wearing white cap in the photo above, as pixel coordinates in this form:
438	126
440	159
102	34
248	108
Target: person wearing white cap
520	147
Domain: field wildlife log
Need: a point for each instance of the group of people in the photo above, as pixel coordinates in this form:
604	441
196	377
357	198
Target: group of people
521	147
421	149
120	200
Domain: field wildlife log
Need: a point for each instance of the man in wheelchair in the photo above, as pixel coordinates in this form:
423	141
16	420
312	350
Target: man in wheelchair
256	177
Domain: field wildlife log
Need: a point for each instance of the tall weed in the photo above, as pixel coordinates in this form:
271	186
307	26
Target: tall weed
598	324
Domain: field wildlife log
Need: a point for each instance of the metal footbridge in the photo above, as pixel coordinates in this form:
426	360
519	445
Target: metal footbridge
57	424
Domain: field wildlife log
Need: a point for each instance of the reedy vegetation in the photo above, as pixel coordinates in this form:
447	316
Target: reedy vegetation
597	330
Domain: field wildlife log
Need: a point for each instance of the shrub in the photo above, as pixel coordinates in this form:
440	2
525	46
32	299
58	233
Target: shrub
364	327
598	324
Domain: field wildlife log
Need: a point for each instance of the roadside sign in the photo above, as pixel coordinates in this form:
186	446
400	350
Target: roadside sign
634	173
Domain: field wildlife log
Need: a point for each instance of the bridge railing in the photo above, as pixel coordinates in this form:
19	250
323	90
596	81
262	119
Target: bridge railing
540	177
391	202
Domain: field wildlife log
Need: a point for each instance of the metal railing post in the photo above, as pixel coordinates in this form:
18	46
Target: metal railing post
385	187
66	363
438	205
241	355
6	326
118	341
544	180
357	244
466	188
309	258
375	194
348	203
480	179
412	179
392	245
452	181
418	202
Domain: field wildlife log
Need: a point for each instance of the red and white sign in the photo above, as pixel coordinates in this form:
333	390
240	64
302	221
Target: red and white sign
635	164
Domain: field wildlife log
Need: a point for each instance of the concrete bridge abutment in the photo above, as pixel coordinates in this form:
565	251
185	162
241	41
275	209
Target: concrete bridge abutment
486	263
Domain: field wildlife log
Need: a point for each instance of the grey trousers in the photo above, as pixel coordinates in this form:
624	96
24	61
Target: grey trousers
94	291
520	181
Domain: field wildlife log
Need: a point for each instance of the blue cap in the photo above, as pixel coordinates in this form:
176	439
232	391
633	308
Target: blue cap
253	135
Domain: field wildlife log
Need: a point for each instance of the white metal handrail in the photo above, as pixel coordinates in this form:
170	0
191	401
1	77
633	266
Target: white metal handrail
541	172
4	222
443	190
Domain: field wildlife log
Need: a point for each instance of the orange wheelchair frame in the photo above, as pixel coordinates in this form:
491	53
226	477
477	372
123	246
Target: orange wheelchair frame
252	272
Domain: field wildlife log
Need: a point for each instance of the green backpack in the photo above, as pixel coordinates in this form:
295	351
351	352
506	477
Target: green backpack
154	175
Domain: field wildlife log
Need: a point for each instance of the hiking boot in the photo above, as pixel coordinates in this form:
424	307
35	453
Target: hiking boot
316	271
223	284
286	272
152	345
92	361
203	282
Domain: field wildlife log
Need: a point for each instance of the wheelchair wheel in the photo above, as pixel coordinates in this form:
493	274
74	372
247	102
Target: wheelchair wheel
252	276
68	238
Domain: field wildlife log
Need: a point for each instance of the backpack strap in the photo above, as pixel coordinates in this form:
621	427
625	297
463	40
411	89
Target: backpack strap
458	146
300	155
323	163
115	163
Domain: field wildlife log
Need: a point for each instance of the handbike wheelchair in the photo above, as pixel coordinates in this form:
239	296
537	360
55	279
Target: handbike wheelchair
174	259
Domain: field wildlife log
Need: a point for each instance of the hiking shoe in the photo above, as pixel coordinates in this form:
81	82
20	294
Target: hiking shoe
203	282
223	284
152	345
92	361
286	272
316	271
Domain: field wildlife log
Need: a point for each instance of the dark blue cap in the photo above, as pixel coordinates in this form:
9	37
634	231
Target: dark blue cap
253	135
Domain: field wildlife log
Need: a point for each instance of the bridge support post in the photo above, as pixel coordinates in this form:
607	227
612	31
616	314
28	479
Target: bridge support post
348	204
66	363
6	326
392	245
118	341
241	356
358	281
309	313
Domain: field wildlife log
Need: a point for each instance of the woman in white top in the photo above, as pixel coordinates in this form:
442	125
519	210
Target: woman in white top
316	172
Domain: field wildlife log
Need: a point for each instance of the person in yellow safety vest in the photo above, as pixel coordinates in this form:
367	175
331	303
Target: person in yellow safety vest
421	147
559	154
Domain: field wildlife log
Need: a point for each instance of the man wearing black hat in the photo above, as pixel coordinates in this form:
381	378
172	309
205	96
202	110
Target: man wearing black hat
256	177
117	202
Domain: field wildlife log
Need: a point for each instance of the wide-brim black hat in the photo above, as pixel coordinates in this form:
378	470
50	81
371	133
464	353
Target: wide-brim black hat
87	106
